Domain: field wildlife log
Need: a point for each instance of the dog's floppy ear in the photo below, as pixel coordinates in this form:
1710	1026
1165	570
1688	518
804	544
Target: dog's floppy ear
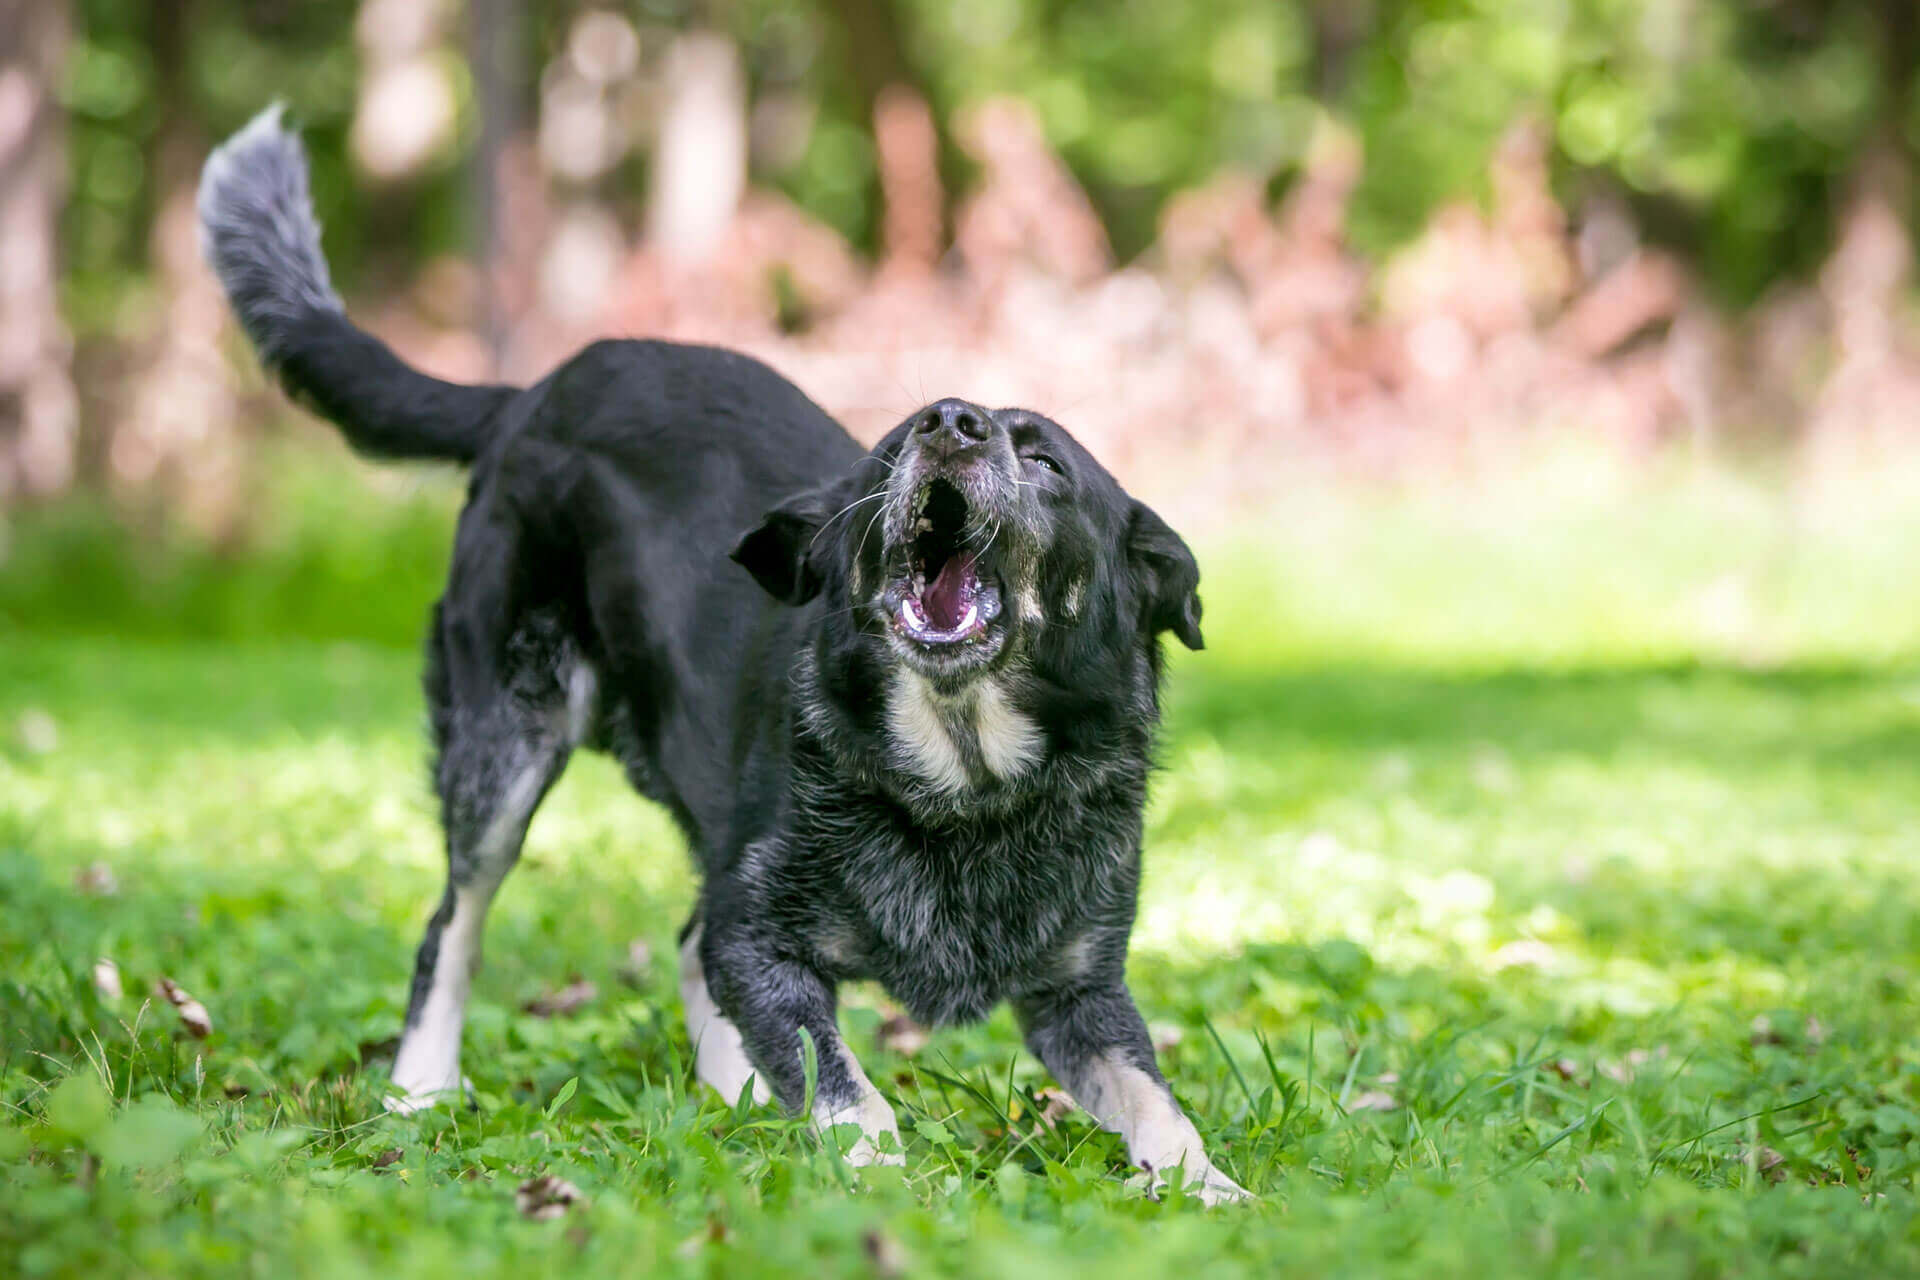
1168	575
779	551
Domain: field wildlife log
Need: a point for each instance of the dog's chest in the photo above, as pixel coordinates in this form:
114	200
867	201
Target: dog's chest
953	925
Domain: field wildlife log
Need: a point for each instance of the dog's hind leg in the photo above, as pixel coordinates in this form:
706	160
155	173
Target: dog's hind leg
505	735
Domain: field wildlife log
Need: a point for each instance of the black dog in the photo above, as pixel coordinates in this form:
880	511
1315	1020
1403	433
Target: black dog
905	721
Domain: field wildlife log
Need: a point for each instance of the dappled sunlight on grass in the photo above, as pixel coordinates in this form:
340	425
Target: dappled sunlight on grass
1452	899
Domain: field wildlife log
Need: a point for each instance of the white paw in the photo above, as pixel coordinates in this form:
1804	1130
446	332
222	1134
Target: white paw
1208	1183
863	1153
408	1101
874	1118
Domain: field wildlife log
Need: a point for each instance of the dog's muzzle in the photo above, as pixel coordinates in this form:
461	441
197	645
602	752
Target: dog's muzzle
944	586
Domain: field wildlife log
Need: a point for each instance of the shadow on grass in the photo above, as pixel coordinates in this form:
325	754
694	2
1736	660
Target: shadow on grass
1727	716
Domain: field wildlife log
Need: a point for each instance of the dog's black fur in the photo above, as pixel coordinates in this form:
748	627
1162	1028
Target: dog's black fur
671	554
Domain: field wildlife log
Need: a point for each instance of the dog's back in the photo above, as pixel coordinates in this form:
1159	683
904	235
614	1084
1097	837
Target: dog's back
604	502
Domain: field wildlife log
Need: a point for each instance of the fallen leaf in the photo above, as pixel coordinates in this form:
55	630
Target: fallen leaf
547	1197
901	1034
1054	1103
1625	1072
1762	1031
96	880
391	1156
1374	1100
193	1014
715	1232
567	999
638	963
106	979
884	1252
1565	1068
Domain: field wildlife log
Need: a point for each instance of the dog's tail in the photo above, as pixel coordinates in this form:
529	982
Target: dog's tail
258	231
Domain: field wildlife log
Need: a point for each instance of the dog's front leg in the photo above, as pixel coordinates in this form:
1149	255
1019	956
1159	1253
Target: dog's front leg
769	1000
1095	1043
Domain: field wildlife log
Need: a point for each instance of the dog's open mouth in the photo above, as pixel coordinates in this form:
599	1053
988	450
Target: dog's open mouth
942	597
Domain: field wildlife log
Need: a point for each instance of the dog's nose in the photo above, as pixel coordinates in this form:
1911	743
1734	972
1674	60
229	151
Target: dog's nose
953	425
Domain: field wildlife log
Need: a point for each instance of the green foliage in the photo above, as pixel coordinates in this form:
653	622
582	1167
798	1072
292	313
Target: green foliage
1499	918
1734	126
337	550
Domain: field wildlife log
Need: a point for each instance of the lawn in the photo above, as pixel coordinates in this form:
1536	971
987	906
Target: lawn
1532	888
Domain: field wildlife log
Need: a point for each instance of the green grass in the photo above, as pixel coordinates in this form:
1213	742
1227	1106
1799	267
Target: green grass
1521	898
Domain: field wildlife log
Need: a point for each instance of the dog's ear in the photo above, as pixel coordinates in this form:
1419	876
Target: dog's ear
780	551
1168	575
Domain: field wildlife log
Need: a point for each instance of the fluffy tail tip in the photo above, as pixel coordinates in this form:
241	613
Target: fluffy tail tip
258	232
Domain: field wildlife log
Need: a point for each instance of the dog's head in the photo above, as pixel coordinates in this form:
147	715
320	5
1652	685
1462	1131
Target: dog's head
970	538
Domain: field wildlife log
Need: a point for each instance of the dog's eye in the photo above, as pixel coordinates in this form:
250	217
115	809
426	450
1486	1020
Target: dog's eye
1042	460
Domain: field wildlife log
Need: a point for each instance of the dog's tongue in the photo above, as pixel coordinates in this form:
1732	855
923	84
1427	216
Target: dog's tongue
947	596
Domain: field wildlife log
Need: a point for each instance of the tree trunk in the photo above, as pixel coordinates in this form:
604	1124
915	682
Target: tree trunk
700	161
39	413
177	445
495	51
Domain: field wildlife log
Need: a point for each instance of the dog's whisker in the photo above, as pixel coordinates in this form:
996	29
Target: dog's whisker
868	531
828	522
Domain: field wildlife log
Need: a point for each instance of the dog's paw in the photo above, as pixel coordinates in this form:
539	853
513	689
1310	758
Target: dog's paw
864	1152
1216	1188
408	1101
405	1104
873	1119
1210	1186
866	1148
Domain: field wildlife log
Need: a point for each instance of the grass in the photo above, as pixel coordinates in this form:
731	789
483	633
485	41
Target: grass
1529	891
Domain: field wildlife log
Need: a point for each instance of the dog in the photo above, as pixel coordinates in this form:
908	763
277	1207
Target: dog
902	701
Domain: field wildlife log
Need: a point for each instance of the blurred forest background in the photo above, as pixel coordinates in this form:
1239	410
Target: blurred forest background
1221	240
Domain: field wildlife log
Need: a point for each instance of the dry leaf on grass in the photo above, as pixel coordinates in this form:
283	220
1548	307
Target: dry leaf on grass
1565	1068
901	1034
1054	1103
96	880
391	1156
1625	1071
106	979
715	1233
884	1252
193	1014
567	999
1373	1100
547	1197
638	964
